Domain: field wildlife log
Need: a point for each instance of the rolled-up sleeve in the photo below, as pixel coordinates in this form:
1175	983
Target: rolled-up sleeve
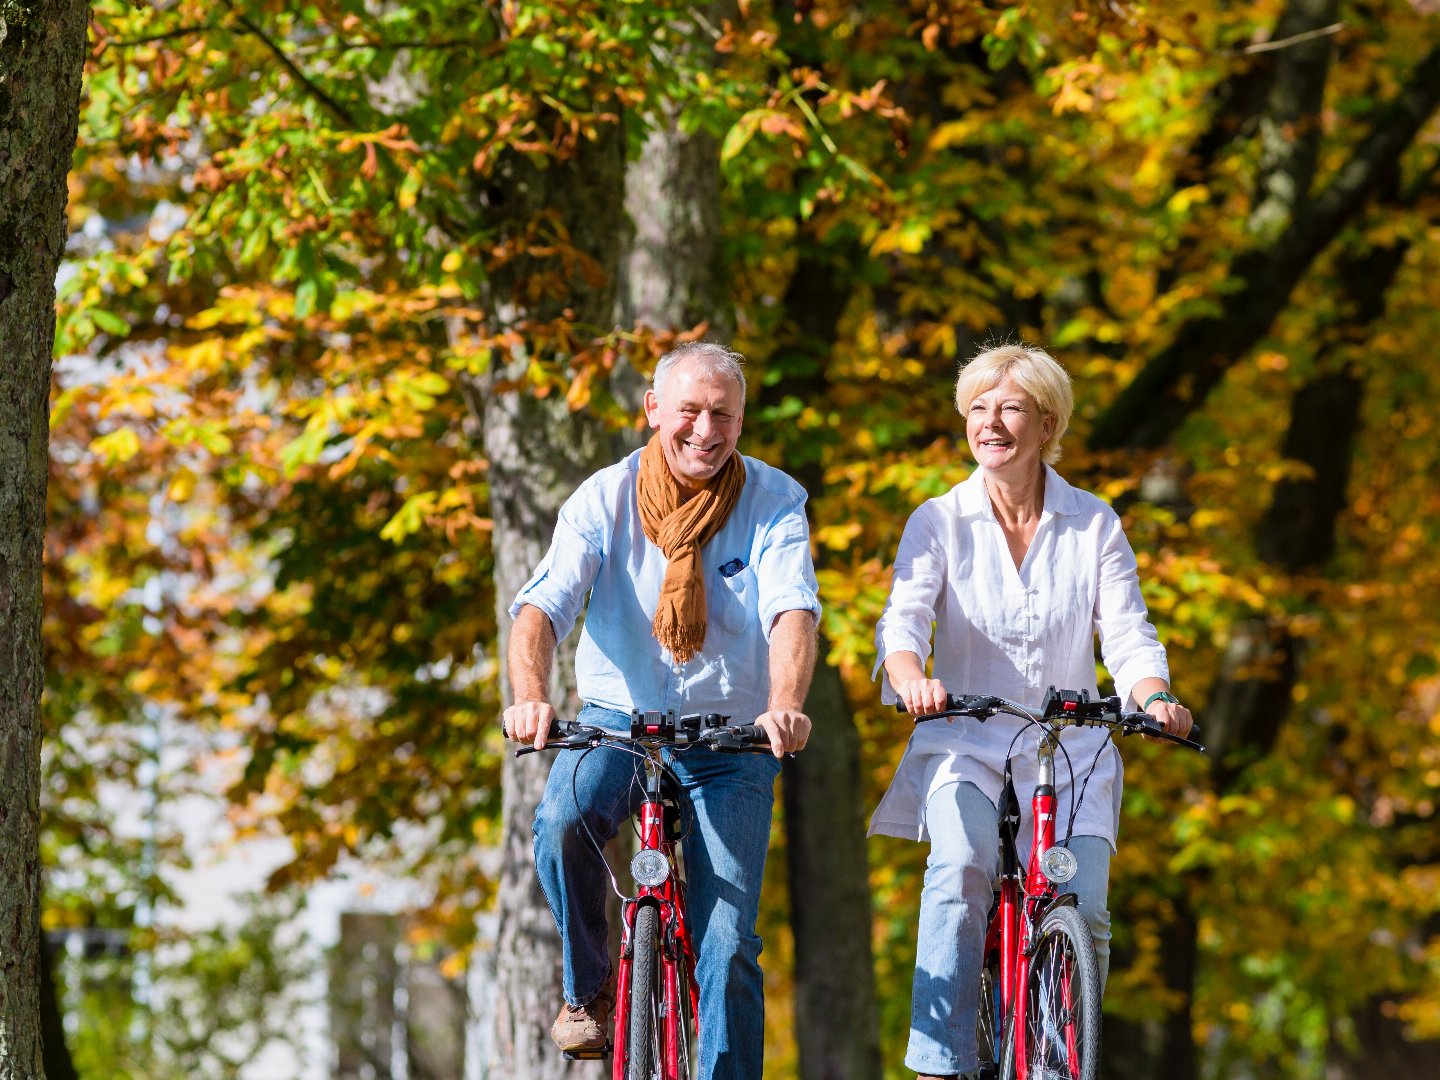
564	577
784	571
909	616
1129	642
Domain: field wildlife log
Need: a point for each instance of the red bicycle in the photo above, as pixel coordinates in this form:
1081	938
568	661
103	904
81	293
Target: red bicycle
1039	1015
656	995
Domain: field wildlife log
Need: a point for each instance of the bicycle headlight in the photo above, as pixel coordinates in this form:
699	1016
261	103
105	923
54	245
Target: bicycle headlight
649	868
1059	864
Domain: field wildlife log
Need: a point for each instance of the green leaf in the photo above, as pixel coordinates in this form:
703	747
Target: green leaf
304	450
109	322
305	296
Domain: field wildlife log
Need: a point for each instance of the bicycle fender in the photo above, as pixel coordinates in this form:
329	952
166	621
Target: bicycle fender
1065	899
627	944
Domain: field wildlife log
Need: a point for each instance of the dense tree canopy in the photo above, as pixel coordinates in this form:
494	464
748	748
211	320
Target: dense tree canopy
312	243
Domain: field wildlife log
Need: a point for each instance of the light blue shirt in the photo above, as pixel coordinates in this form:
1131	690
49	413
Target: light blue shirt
756	568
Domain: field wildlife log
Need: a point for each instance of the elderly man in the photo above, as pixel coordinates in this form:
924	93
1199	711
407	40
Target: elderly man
702	598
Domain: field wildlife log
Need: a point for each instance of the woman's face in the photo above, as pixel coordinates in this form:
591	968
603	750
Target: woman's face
1005	429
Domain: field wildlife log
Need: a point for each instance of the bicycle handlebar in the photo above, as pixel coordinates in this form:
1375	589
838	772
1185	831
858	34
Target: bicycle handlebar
661	729
1062	709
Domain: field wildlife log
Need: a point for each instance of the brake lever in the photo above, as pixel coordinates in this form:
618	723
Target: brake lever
573	740
1154	730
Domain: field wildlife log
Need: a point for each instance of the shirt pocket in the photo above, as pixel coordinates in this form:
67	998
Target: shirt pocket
732	599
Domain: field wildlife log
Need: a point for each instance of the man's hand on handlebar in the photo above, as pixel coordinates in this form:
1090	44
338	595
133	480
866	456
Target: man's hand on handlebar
789	730
529	722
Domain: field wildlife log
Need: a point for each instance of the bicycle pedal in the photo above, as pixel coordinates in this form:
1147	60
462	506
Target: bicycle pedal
598	1053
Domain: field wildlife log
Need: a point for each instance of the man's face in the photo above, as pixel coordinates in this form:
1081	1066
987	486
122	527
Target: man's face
698	422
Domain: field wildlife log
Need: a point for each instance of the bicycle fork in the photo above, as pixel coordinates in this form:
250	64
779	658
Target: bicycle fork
673	974
1019	928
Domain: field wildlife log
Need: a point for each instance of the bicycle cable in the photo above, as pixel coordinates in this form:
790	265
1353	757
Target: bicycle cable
599	848
1069	767
584	822
595	843
1080	798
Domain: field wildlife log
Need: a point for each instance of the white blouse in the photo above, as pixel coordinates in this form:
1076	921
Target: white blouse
1013	633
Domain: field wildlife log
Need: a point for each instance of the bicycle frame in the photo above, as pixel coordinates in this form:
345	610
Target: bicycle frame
1018	914
1030	913
658	888
677	954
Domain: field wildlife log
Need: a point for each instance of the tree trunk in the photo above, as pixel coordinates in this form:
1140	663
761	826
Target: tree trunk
539	453
41	56
836	1032
829	893
671	274
1251	698
58	1063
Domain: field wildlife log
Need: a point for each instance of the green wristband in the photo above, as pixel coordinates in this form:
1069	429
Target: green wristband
1159	695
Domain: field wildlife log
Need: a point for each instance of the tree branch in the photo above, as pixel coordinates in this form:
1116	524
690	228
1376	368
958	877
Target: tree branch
310	86
168	35
1180	377
1285	43
1280	95
1290	125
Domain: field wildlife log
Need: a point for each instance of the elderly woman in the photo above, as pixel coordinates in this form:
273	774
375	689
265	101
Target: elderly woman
1017	571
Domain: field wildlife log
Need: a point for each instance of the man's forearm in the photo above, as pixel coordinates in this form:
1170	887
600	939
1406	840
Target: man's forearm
531	654
792	659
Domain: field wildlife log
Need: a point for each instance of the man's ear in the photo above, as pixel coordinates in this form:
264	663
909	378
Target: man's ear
652	405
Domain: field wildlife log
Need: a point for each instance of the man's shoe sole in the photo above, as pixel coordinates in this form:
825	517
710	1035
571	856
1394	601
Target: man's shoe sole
591	1053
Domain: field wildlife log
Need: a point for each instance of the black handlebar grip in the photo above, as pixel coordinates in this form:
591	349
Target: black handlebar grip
559	730
951	702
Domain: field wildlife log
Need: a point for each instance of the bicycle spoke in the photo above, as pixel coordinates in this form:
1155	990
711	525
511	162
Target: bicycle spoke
1062	1035
989	1024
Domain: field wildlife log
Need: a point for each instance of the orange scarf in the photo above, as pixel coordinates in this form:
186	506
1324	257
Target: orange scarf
679	529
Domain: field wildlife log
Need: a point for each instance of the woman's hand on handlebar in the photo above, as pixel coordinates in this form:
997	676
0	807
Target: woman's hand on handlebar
906	672
1173	717
921	695
529	722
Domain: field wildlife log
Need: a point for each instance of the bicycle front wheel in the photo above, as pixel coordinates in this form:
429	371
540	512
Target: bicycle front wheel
1062	1004
642	1053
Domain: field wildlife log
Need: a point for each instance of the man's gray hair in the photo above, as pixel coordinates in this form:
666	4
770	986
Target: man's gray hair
708	357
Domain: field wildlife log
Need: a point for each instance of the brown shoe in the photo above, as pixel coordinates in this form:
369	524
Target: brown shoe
585	1027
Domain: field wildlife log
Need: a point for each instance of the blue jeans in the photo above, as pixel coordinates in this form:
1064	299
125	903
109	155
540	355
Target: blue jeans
726	803
959	885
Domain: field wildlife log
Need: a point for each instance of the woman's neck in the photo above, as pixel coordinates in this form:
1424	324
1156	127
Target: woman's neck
1016	502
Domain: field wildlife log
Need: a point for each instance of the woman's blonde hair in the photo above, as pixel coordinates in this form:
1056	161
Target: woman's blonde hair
1035	371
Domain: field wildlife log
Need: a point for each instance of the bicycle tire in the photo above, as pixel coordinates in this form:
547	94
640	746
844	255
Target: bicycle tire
642	1060
989	1023
1062	1004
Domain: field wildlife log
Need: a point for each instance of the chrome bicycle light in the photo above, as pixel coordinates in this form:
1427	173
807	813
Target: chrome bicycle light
1059	864
649	868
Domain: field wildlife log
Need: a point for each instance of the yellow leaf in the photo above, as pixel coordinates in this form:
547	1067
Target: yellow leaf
182	486
118	446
